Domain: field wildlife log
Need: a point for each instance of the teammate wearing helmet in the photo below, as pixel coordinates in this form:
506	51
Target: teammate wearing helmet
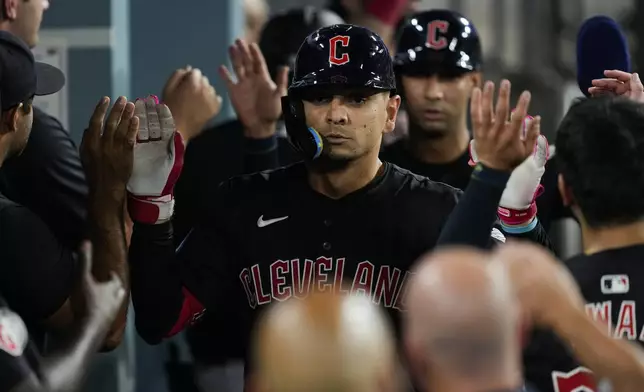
340	216
438	63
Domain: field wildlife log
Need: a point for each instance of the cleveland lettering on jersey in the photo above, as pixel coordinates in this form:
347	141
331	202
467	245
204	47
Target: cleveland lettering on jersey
296	278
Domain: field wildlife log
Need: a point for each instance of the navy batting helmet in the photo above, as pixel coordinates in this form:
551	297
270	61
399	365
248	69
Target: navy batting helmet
437	41
338	56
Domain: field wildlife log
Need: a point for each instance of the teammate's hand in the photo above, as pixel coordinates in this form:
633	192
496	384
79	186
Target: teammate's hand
158	160
101	300
255	97
502	144
106	148
517	205
545	288
619	83
192	100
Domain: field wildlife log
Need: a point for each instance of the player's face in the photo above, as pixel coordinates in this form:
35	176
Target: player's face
351	122
438	104
28	18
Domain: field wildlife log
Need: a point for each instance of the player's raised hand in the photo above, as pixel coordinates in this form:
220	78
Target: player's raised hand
107	146
158	160
501	143
254	95
619	83
545	288
517	205
192	100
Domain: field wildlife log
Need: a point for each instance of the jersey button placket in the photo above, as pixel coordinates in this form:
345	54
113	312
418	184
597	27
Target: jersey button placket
327	245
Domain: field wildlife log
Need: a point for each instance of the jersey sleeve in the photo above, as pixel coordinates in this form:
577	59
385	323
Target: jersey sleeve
17	356
171	289
260	154
38	271
472	221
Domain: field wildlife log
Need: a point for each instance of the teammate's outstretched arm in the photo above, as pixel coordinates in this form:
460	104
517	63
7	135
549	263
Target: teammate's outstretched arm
165	286
61	371
550	298
501	146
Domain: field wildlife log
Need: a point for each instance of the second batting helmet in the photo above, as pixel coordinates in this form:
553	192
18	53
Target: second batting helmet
437	41
339	56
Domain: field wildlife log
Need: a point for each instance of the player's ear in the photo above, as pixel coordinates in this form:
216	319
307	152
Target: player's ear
565	191
10	119
393	104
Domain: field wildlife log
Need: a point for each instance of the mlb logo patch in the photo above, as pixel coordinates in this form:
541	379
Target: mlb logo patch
615	284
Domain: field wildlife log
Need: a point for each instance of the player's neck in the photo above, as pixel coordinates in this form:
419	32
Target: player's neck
4	150
438	150
337	184
598	240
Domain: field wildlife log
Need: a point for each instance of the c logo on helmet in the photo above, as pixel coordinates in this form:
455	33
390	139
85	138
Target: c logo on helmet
434	38
338	40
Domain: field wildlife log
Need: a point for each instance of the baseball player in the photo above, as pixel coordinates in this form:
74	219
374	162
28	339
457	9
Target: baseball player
340	216
438	63
22	369
599	147
326	342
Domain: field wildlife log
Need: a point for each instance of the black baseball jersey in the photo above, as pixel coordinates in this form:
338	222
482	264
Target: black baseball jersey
38	271
612	283
268	237
458	173
18	358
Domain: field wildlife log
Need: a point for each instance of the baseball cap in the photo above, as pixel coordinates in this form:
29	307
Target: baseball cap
21	76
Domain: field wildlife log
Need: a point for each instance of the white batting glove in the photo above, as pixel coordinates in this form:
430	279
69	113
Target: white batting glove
517	205
158	160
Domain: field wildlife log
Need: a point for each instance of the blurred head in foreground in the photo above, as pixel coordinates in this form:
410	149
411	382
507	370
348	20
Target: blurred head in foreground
325	343
461	329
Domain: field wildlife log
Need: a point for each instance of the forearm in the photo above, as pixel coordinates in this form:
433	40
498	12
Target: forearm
66	371
473	218
532	231
617	360
156	282
260	154
107	232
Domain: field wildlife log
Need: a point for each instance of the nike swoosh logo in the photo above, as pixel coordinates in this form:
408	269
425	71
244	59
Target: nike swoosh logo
263	223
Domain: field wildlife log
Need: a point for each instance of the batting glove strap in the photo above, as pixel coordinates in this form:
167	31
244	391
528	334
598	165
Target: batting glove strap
511	217
150	210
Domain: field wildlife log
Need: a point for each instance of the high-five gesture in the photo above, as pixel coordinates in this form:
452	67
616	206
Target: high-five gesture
106	148
158	160
501	142
255	96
